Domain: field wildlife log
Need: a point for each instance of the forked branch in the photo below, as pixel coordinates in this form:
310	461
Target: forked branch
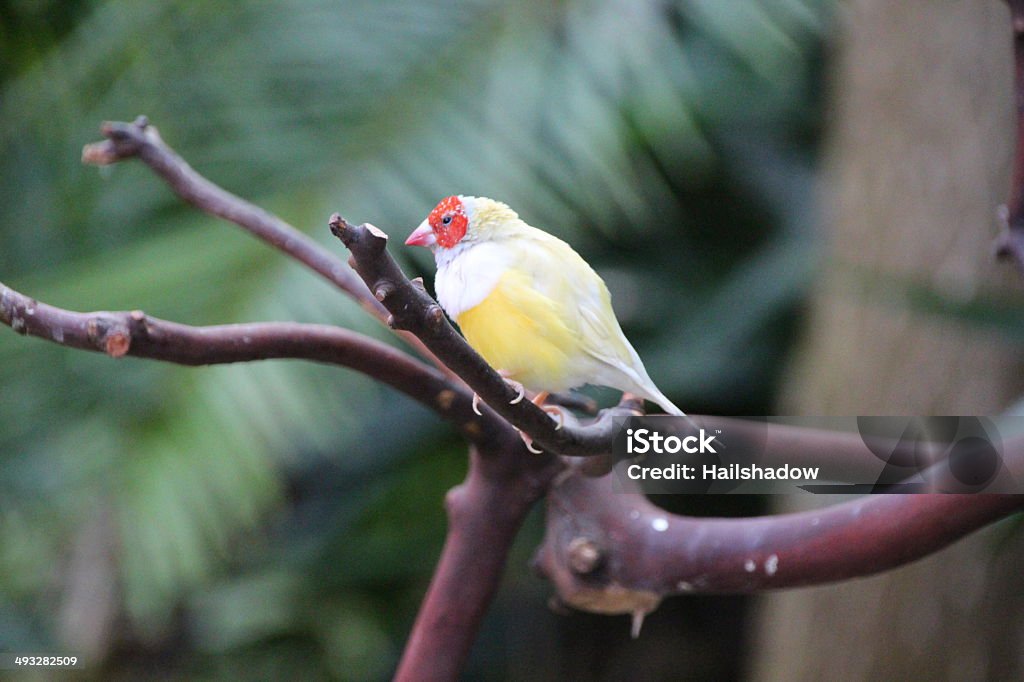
141	140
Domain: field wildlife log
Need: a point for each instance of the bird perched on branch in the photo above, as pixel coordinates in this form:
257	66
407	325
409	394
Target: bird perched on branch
528	303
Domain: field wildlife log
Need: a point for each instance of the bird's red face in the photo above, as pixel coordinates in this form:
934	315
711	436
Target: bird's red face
445	226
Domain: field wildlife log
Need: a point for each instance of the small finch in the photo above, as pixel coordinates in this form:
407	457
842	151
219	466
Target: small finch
528	303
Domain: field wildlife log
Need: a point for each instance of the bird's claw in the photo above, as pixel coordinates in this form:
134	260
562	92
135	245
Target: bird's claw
554	410
528	442
556	414
519	388
476	405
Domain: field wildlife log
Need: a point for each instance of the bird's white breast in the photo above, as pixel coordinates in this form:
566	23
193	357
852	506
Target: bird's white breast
467	273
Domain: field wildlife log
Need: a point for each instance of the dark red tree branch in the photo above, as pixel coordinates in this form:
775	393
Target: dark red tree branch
141	140
616	552
484	516
136	334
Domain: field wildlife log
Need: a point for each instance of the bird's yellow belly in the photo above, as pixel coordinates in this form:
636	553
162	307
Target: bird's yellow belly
520	331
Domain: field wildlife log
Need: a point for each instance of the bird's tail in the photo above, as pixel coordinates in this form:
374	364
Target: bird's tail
638	381
652	393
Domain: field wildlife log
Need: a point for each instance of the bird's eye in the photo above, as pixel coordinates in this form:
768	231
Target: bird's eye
447	220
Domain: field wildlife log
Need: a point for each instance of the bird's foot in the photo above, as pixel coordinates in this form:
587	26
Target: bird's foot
537	400
519	388
553	410
515	385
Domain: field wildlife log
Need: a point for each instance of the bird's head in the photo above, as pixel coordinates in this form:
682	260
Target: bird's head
460	218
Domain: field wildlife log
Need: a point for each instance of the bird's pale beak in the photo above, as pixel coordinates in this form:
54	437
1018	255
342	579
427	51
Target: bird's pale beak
422	236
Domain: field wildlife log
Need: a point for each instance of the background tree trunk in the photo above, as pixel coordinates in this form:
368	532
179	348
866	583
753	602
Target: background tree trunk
918	158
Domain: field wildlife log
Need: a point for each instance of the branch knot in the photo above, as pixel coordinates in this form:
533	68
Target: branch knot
435	318
585	556
383	290
109	335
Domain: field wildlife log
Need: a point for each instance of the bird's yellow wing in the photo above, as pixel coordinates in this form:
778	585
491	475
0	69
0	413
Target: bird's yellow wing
548	320
519	330
599	352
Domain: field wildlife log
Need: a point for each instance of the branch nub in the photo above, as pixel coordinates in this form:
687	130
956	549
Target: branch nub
435	318
109	335
124	141
584	555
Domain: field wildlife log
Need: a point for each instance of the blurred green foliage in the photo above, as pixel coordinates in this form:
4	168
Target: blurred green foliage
283	516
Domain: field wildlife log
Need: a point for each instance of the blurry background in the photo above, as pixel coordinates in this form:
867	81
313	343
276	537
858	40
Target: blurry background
204	523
